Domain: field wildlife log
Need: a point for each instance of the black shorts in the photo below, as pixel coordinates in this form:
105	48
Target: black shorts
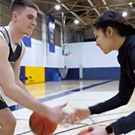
2	103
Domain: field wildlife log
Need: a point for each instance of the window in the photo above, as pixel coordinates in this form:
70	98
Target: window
4	14
57	35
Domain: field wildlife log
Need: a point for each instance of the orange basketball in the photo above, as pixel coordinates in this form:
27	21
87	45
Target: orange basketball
41	125
85	132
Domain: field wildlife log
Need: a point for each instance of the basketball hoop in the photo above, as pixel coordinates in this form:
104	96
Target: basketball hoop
67	54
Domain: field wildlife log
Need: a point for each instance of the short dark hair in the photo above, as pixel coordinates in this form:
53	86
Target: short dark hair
17	5
114	19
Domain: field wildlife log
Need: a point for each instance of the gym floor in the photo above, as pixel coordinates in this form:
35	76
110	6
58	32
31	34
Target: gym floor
77	94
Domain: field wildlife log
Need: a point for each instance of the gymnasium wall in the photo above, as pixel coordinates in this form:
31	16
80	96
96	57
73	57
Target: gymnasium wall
92	62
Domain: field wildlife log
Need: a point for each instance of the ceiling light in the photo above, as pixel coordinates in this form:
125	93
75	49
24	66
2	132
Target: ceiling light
130	3
57	7
76	21
124	14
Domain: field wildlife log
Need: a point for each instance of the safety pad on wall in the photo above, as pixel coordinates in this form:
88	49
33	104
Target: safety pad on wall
34	75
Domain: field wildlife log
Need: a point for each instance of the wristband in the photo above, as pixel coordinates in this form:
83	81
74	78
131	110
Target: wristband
110	130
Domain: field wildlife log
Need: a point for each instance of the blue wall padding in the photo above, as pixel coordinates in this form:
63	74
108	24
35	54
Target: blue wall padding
49	73
22	74
101	73
73	74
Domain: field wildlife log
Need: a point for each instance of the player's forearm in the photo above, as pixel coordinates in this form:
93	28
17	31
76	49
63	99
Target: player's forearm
20	84
125	124
26	100
110	104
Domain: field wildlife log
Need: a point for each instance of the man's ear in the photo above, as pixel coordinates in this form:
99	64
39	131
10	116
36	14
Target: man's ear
14	16
109	31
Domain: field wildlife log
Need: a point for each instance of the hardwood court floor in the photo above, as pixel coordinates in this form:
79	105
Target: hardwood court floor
77	94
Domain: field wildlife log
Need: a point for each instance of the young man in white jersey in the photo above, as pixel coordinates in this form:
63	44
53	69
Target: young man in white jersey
23	21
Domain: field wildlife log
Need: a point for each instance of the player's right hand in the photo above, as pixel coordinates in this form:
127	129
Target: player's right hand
79	115
58	115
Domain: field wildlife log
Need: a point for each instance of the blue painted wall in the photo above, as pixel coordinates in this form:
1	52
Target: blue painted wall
101	73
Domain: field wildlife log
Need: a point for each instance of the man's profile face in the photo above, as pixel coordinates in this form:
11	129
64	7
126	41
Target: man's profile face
26	20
